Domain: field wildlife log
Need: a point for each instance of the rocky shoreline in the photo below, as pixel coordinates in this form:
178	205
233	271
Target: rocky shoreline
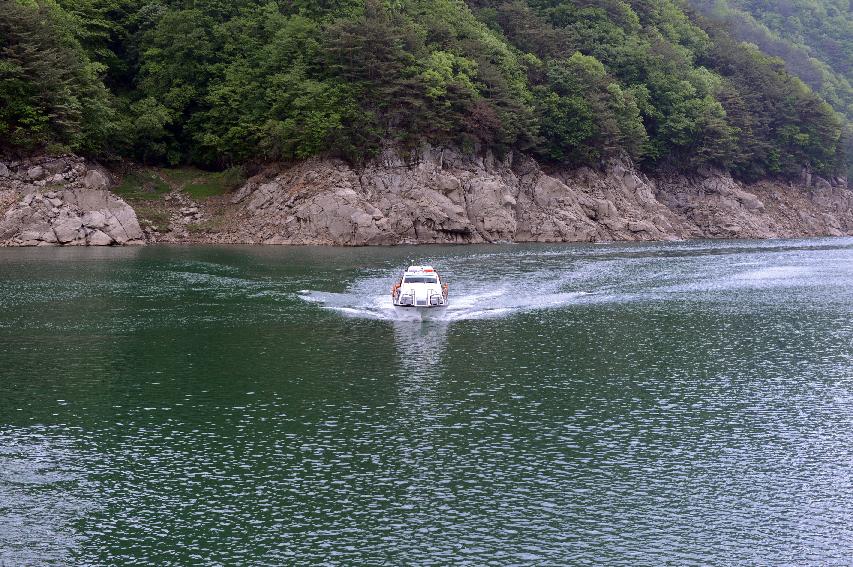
442	196
63	201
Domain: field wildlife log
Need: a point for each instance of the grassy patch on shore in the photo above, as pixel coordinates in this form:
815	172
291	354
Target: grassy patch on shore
142	185
151	184
153	217
209	187
212	184
206	227
180	176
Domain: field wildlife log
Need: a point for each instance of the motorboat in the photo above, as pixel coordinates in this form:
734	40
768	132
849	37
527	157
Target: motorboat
420	291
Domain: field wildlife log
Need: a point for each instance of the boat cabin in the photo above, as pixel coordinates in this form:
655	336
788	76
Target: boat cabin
420	286
421	274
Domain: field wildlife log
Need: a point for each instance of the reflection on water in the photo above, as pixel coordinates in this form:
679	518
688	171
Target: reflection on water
42	486
420	346
682	403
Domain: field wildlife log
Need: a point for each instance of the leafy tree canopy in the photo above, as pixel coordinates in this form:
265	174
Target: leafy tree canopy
221	82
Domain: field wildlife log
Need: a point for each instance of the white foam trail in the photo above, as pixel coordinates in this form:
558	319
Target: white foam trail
507	281
499	301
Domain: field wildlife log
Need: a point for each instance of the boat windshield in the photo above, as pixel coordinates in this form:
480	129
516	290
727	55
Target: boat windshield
420	279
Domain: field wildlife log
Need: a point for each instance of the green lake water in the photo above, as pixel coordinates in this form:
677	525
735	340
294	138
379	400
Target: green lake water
645	404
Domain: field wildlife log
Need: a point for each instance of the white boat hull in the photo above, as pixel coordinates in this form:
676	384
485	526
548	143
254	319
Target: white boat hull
420	294
421	313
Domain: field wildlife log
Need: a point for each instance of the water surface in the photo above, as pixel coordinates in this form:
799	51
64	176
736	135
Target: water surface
680	403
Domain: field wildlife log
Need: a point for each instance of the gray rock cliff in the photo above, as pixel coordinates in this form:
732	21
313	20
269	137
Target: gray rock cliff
62	201
442	196
446	197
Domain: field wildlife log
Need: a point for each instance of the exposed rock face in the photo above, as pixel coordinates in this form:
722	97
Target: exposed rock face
720	207
444	197
447	197
73	209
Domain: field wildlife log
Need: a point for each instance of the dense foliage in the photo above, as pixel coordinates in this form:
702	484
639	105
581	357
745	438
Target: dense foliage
219	82
813	38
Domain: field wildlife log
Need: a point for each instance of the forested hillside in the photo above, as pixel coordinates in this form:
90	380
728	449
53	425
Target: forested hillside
218	82
814	38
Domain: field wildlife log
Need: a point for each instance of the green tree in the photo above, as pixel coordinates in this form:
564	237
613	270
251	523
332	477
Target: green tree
50	92
585	115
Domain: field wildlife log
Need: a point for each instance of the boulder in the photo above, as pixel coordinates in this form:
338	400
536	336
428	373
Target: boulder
86	199
94	219
56	166
68	229
123	226
36	233
48	237
96	179
36	172
98	238
750	201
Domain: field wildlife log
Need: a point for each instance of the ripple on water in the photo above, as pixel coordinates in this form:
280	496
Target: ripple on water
43	482
685	403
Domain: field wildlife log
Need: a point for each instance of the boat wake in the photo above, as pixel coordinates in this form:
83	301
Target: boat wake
503	284
369	299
